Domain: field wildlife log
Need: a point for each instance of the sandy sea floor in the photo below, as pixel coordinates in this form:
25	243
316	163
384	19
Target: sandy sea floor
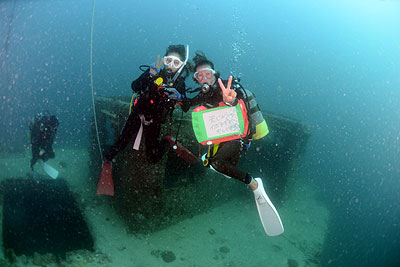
229	235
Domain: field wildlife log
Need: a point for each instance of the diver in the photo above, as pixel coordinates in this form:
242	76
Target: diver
158	91
42	129
224	152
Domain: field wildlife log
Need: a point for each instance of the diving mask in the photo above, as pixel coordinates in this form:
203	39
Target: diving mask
173	61
204	74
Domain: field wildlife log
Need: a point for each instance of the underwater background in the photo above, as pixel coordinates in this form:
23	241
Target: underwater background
333	64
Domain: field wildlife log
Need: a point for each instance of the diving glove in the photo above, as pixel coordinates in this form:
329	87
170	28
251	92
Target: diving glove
154	70
173	94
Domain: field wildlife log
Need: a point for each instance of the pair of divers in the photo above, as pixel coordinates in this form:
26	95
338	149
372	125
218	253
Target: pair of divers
226	119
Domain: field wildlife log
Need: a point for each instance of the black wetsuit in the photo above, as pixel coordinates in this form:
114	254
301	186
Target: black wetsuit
228	153
155	107
42	136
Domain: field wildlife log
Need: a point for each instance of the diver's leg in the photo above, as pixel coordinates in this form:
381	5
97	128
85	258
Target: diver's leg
35	155
48	153
128	133
154	148
226	159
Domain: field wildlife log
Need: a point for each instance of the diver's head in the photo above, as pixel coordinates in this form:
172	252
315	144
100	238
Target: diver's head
174	58
204	72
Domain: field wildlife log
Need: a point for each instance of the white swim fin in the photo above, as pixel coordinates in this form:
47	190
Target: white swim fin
53	173
269	216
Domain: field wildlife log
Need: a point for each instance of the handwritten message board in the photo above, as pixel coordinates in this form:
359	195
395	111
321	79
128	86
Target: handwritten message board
221	122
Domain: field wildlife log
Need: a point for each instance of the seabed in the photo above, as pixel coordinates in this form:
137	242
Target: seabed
227	235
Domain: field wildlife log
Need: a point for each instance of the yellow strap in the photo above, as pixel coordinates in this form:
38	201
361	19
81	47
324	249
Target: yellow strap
209	151
130	107
215	149
216	146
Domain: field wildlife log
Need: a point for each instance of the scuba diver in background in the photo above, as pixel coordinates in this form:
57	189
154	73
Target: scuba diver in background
223	153
43	129
158	92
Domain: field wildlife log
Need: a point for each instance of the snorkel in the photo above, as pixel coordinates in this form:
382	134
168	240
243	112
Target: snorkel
178	73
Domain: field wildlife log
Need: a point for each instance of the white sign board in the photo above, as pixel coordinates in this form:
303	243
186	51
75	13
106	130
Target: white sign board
221	122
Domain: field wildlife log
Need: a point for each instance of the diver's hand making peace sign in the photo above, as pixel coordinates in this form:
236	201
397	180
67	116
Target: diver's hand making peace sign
228	94
155	68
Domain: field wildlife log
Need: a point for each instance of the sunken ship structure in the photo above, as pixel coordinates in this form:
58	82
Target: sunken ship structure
149	197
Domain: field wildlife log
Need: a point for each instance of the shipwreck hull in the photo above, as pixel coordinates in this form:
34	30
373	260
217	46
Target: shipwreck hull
149	197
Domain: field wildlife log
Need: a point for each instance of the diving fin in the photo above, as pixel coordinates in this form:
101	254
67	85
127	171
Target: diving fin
106	184
269	216
53	173
181	151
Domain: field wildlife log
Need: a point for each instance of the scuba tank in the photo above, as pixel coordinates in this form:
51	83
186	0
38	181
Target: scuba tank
258	125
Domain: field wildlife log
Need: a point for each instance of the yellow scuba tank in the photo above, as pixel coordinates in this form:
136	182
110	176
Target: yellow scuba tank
259	127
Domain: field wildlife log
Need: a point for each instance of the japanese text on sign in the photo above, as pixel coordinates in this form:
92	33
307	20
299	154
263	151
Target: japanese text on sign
221	122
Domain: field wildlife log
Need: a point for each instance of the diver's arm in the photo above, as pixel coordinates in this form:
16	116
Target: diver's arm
229	95
141	82
186	104
180	86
